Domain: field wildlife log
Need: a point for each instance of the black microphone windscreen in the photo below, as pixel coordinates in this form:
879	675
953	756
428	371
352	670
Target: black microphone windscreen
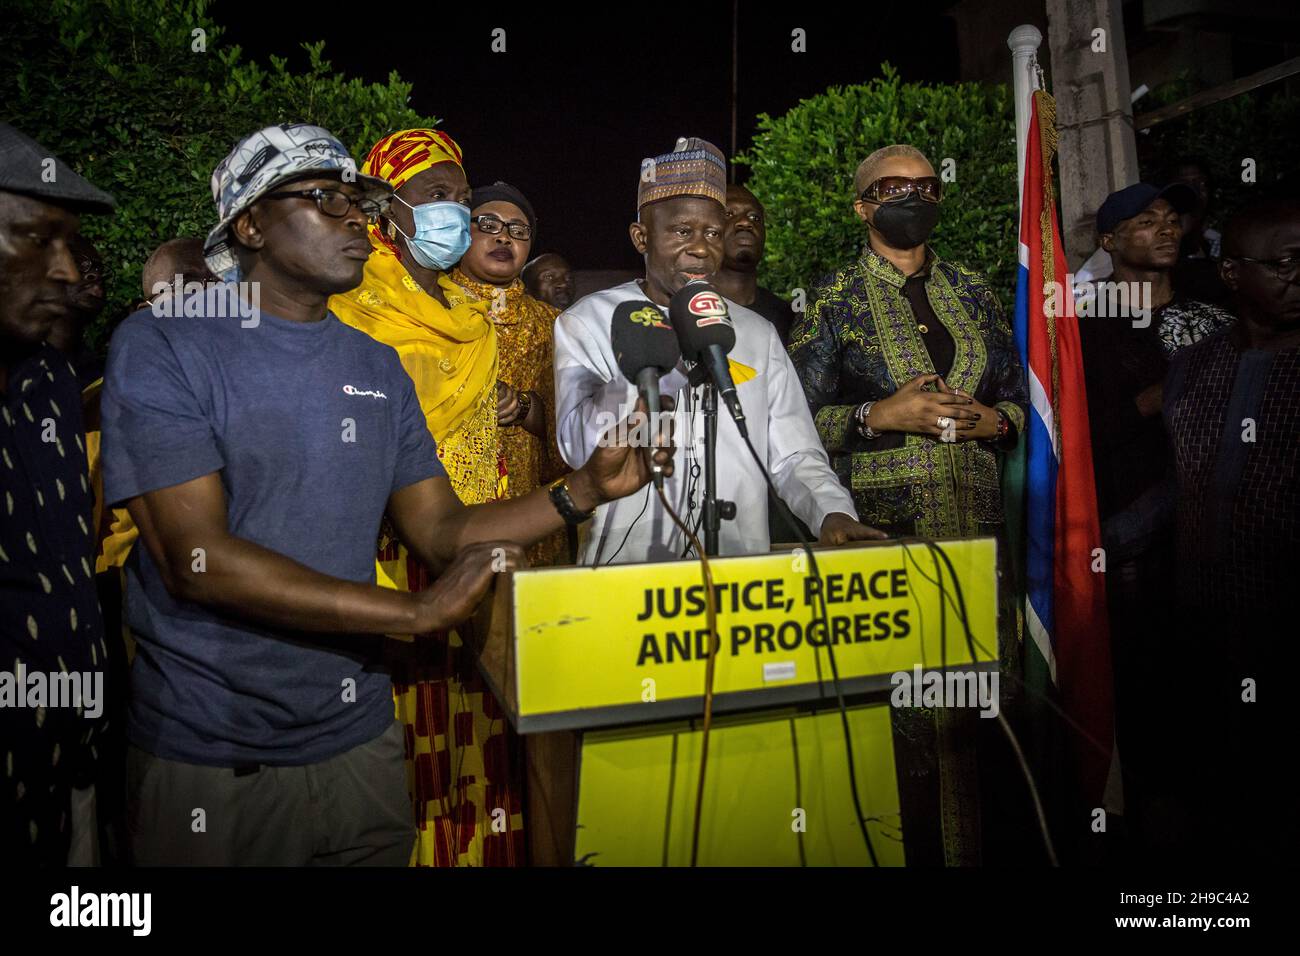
700	318
641	339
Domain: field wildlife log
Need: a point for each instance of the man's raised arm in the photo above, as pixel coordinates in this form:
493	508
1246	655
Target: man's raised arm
435	526
185	529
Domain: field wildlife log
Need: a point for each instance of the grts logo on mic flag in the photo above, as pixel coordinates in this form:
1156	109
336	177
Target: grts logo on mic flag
708	309
651	318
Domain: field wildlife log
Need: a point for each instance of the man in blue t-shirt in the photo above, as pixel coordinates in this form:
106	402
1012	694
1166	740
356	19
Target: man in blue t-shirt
258	443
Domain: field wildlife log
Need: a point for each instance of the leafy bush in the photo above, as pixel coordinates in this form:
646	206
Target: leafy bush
133	98
803	164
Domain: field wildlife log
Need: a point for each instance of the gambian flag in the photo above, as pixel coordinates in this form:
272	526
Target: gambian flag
1067	635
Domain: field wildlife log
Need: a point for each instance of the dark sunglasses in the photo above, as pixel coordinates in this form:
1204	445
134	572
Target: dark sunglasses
896	188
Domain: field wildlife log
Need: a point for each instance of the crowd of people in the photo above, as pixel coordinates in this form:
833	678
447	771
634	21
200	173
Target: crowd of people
280	520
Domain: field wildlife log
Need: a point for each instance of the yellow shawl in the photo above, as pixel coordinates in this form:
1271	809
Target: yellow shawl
451	356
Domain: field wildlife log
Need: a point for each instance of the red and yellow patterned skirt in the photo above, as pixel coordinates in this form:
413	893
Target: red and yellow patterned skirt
464	761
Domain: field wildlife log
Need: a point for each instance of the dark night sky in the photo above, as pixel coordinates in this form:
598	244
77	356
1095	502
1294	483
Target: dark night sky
585	90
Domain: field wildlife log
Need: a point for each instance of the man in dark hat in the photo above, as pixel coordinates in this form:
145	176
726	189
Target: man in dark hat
1136	226
52	648
1129	330
679	231
1124	358
1127	339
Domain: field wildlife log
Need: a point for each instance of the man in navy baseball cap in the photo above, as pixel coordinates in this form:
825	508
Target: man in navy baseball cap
1131	200
1140	226
1126	358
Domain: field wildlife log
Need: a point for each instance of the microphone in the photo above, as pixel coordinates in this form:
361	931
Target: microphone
706	334
645	348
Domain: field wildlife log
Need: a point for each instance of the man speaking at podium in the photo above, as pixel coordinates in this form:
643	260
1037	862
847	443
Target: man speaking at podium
679	230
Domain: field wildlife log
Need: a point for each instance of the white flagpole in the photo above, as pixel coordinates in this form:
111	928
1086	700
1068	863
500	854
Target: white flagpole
1024	41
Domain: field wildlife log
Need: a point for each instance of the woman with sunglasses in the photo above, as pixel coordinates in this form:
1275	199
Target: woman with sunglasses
917	390
909	365
502	228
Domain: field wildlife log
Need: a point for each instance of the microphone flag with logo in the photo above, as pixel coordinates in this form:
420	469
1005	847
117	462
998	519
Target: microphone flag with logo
645	348
706	334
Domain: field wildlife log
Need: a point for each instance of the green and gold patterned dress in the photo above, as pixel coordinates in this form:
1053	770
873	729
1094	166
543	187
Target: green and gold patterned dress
868	330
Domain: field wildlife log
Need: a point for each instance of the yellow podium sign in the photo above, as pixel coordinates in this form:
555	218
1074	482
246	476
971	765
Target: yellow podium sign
777	791
627	643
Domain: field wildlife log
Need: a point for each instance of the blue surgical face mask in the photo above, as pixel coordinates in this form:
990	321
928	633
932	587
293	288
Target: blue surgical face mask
441	233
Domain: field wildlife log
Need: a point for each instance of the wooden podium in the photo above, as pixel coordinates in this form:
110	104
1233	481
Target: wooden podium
602	669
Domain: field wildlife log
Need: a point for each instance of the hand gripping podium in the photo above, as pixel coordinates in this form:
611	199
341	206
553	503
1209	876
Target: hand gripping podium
603	671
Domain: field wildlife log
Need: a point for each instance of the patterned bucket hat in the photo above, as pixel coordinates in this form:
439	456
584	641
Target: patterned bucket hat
264	160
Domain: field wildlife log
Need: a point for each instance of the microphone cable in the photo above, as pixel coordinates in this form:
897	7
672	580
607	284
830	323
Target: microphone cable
936	553
1082	731
959	607
711	616
693	473
645	504
830	650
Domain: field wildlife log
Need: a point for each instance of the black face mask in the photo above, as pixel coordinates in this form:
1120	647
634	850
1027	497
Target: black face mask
907	223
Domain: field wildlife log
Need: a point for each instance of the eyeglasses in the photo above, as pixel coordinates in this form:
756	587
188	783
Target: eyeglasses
337	204
1285	269
492	226
897	188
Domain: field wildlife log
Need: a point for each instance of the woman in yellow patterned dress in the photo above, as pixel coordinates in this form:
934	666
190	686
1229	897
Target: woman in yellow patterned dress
464	762
502	229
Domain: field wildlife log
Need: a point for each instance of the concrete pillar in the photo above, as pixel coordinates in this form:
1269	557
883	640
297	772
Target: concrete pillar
1098	153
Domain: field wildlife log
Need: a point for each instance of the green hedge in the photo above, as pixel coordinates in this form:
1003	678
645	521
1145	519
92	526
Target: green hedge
802	168
117	89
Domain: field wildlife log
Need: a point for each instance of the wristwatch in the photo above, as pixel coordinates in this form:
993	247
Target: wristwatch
525	406
565	505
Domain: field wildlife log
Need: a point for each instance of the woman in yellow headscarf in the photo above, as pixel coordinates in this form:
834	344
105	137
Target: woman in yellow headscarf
465	762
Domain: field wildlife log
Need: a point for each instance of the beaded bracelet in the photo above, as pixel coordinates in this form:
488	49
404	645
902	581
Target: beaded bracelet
865	430
1004	426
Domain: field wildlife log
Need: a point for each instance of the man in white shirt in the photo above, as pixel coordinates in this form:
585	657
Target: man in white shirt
679	227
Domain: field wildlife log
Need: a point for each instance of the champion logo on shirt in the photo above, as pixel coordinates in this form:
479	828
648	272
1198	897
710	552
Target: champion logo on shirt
353	390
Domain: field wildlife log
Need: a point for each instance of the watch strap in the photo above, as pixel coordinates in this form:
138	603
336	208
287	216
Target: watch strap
565	505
